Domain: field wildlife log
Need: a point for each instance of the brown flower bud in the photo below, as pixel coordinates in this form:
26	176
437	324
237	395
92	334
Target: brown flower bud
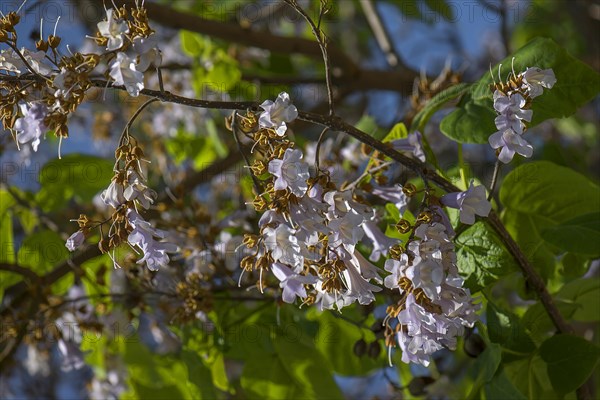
403	226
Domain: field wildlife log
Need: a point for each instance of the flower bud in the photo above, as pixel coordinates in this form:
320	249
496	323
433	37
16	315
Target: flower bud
53	41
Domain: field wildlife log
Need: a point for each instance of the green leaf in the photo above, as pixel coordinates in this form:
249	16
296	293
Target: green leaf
501	388
367	124
485	367
529	376
398	131
541	195
437	102
74	176
585	295
577	235
193	44
481	256
7	250
571	360
507	330
41	251
577	83
336	339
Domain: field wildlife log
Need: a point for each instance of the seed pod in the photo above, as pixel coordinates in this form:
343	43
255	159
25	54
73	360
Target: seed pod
474	345
417	386
374	349
403	226
360	347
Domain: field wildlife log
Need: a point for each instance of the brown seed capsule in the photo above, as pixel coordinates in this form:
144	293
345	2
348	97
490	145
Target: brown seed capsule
360	347
374	349
474	345
41	45
409	189
53	41
417	386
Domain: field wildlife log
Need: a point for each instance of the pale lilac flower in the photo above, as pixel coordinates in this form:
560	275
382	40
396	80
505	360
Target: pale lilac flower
10	61
283	244
393	194
291	282
536	79
471	202
511	113
277	113
411	144
137	190
291	172
123	71
381	243
511	143
358	287
113	195
142	236
346	230
75	240
396	268
427	275
113	30
31	126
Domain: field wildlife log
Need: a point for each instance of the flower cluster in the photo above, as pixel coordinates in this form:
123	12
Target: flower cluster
124	30
512	102
433	308
125	193
53	85
310	228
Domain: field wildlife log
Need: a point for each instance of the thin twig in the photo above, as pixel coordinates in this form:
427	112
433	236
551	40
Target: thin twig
494	179
318	149
257	186
322	40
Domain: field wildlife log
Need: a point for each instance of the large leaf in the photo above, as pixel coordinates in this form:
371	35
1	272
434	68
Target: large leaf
529	376
501	388
577	235
481	257
436	103
541	195
74	176
507	330
335	340
571	360
577	83
585	295
485	366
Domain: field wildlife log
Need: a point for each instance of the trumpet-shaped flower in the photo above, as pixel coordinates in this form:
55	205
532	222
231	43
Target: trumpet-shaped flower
113	30
277	113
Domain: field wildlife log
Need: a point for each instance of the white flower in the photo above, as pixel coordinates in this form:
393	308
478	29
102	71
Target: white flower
283	244
113	196
536	79
346	230
277	113
397	268
31	126
290	172
113	30
147	51
358	287
123	71
427	275
10	61
142	236
137	190
511	143
75	240
291	282
471	202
